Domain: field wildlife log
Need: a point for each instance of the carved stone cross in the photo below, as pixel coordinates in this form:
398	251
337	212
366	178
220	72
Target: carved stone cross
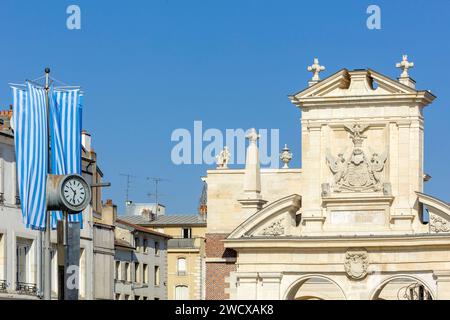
405	65
316	68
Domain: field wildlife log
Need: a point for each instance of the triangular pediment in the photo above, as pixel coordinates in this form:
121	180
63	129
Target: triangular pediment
345	83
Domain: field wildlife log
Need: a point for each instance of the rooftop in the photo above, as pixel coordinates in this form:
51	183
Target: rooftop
141	229
166	220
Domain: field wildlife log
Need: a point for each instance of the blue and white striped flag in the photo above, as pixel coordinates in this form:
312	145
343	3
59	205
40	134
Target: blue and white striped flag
31	144
66	109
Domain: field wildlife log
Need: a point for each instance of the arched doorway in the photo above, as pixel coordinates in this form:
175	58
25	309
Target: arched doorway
315	287
402	287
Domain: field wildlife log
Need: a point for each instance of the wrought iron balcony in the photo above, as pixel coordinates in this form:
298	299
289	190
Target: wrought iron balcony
26	288
3	285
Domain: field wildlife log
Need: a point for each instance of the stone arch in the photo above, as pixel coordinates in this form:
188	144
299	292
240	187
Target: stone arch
379	288
297	284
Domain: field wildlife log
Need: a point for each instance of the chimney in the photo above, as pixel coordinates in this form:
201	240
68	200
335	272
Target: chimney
109	212
86	140
148	214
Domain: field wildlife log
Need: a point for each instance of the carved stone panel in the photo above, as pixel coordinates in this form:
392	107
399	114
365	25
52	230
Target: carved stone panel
274	229
438	224
357	170
356	264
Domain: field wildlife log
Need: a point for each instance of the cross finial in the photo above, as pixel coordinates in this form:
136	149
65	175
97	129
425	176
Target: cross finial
405	65
316	68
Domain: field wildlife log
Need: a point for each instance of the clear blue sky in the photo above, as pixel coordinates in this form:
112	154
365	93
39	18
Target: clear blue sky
149	67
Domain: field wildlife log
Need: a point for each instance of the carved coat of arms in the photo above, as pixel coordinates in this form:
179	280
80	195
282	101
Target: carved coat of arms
357	172
356	264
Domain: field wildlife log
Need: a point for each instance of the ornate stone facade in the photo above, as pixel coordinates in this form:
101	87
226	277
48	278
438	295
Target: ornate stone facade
360	186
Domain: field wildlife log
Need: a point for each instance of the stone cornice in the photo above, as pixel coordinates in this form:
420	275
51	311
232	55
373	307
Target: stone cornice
421	98
325	243
263	171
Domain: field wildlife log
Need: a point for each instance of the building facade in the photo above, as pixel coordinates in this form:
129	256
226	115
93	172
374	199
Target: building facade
140	263
21	248
353	222
185	252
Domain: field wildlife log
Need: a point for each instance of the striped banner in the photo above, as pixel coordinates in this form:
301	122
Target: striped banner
66	108
31	144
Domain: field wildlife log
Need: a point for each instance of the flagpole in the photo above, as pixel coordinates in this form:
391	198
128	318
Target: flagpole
47	239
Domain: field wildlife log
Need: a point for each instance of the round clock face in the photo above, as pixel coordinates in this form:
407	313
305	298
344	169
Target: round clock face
75	193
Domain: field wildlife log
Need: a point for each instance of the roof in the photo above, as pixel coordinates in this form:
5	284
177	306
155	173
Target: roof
167	220
122	243
142	229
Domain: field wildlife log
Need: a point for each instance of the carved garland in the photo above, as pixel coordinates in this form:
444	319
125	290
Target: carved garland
437	224
275	229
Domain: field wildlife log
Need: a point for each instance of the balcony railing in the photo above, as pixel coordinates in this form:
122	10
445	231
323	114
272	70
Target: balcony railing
178	243
26	288
3	285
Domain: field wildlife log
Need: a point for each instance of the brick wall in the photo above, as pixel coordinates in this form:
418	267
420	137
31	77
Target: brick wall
217	272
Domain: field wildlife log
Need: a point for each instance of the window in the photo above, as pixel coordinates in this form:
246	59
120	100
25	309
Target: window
117	275
181	266
23	261
136	243
137	275
156	298
117	296
156	248
186	233
144	298
2	257
127	297
145	269
137	297
181	292
157	276
127	271
145	245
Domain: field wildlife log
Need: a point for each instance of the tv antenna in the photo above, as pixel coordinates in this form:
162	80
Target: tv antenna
156	194
128	185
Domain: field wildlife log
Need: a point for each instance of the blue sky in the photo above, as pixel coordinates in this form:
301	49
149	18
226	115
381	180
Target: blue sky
149	67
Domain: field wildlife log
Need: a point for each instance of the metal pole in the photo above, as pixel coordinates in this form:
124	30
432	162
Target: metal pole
47	240
156	198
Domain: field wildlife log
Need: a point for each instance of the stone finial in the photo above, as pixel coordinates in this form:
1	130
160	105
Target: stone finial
286	156
223	158
315	68
405	65
252	136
